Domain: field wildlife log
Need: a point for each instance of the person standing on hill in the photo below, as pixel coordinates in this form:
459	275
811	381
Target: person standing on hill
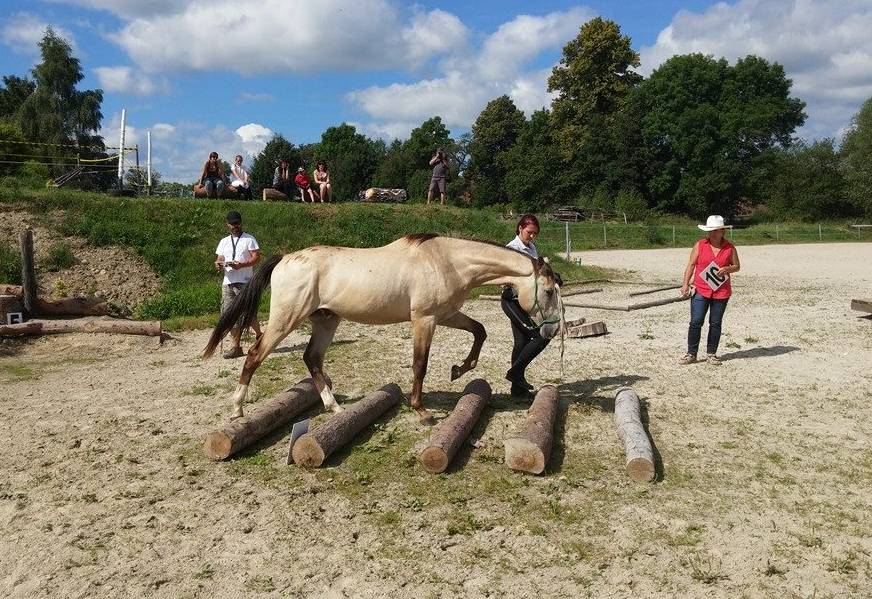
240	178
440	173
213	178
235	255
707	278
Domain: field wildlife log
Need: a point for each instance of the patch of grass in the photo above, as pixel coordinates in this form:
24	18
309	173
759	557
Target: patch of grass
751	340
203	390
13	372
704	569
646	335
691	536
260	584
463	524
843	564
10	264
773	570
59	257
733	345
205	573
388	518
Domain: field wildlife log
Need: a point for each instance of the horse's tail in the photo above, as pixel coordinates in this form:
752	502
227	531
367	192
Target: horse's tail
245	305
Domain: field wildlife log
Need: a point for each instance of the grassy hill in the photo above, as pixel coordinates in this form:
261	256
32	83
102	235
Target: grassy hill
177	237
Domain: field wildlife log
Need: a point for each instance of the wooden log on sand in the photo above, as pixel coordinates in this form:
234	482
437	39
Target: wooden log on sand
655	290
230	192
640	455
268	416
66	306
314	447
270	194
28	275
453	431
591	329
626	307
379	194
862	305
531	450
81	325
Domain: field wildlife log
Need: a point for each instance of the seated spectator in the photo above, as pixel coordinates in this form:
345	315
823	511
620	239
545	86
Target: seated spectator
303	184
240	178
213	178
282	178
322	179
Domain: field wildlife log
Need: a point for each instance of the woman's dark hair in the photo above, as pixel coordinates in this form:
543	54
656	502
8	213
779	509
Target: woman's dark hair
527	219
213	155
321	163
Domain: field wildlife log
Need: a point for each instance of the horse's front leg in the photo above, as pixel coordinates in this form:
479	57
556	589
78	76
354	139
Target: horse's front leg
459	320
422	337
324	325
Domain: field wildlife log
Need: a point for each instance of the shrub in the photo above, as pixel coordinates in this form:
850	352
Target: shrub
10	264
59	257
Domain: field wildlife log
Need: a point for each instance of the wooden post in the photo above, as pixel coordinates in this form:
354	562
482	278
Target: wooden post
605	239
268	416
450	435
673	234
531	450
81	325
640	455
820	233
567	240
314	447
28	275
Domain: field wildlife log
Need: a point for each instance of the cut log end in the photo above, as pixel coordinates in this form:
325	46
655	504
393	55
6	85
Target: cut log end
524	455
641	470
307	452
434	459
218	445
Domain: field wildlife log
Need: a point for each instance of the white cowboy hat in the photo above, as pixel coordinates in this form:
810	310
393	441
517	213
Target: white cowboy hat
714	222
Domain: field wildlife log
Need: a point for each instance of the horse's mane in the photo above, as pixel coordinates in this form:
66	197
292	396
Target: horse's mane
419	238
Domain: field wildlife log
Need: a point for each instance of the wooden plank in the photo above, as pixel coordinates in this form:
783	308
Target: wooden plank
591	329
862	305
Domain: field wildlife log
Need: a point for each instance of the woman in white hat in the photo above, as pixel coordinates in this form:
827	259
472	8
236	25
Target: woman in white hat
707	276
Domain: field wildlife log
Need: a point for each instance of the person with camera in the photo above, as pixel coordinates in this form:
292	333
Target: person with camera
235	255
439	162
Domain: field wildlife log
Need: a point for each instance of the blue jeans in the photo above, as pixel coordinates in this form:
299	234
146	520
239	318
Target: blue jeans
699	305
214	186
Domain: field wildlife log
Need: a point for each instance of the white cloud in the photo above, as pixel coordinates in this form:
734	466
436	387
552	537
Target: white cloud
125	80
23	31
279	36
467	82
824	45
131	8
179	150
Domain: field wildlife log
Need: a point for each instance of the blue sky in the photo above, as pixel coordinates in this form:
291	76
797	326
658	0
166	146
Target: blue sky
227	75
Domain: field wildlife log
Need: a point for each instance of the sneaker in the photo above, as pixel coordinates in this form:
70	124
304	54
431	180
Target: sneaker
519	391
713	359
687	359
235	352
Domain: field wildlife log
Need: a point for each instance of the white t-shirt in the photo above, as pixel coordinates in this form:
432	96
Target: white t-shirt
517	244
244	244
240	176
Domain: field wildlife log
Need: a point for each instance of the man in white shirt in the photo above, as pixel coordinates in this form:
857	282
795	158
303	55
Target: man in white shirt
240	178
235	255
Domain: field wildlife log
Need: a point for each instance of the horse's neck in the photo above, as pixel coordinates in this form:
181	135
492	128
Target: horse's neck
485	264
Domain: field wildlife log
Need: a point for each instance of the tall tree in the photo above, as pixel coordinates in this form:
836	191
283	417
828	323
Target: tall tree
532	166
494	133
264	165
56	112
14	92
592	82
856	153
352	159
806	183
706	125
406	164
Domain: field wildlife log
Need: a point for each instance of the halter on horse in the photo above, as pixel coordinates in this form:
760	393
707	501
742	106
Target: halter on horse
423	279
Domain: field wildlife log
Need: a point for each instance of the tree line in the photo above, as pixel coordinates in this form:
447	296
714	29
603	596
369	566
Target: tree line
697	136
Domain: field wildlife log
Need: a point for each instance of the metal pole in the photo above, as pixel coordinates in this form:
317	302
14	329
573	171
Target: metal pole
673	234
121	150
820	234
776	232
148	161
605	239
567	240
136	148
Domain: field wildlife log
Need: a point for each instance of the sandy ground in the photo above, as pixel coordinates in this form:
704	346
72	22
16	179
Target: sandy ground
764	486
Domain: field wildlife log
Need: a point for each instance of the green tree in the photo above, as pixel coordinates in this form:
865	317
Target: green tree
12	148
707	124
392	171
532	166
14	92
806	183
352	159
494	133
406	164
56	112
264	165
856	152
592	82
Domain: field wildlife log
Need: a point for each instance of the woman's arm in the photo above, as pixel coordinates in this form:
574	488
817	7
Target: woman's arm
688	270
205	171
434	160
732	267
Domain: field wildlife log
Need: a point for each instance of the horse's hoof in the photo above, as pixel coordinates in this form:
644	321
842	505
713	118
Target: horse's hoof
336	408
456	373
425	418
236	414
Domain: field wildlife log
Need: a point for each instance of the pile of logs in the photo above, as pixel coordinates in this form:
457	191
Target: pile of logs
230	192
379	194
23	299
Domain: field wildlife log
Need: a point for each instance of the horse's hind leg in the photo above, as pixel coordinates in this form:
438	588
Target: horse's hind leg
422	337
459	320
324	325
276	330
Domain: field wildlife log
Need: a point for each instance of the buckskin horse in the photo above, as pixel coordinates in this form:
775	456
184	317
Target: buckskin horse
421	278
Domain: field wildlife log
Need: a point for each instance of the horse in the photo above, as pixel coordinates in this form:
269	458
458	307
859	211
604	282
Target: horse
420	278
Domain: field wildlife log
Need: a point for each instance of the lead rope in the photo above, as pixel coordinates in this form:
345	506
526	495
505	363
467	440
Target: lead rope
562	330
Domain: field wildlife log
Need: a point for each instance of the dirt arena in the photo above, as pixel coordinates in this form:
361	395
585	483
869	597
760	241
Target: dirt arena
764	487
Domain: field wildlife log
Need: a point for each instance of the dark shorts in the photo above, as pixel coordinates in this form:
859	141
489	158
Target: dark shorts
437	184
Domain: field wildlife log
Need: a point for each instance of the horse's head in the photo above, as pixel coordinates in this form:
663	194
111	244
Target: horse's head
541	299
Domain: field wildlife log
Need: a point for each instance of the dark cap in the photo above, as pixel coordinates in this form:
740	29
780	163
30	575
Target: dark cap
234	218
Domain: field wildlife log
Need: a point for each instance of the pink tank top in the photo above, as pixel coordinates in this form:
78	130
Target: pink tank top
706	256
